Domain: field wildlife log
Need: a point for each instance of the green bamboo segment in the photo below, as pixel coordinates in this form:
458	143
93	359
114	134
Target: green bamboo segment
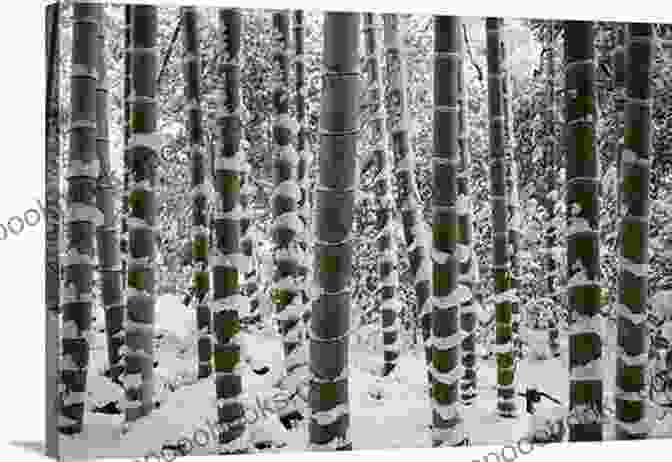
631	388
446	371
52	198
583	254
142	158
108	233
550	161
416	233
335	194
200	232
226	257
288	227
388	275
506	405
468	265
82	217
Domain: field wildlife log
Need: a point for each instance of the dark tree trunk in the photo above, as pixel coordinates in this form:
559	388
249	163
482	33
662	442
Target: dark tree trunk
583	252
108	233
330	322
447	422
512	202
632	362
81	219
550	160
506	406
388	267
288	227
53	225
469	273
143	155
416	233
225	266
200	231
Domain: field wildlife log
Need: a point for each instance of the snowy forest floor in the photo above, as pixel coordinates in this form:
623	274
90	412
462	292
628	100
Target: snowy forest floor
398	419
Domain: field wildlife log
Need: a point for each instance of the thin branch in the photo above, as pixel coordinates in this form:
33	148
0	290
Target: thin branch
169	52
471	56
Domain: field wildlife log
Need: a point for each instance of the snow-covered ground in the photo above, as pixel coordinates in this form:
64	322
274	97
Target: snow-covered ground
385	413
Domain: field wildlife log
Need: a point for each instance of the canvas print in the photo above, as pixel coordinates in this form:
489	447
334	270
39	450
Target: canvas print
287	230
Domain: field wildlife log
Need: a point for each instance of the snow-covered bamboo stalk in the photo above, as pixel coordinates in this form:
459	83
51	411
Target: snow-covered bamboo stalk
447	295
288	227
416	233
225	260
142	157
82	217
469	271
631	401
550	161
251	272
125	165
512	202
304	180
191	66
388	267
583	250
335	199
619	72
109	253
506	393
52	219
305	155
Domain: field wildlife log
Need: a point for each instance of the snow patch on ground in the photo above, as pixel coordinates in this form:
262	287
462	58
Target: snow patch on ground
386	413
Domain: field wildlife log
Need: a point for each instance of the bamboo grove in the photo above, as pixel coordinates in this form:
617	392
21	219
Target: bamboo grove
313	197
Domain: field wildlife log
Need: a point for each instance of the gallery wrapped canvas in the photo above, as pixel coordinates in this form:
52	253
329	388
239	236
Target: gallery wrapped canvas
299	230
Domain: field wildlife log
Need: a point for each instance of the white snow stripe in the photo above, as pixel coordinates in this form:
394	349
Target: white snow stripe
578	226
74	257
234	214
643	426
77	168
446	411
591	371
232	260
233	163
447	377
638	269
629	396
449	436
394	327
83	212
445	343
639	360
587	324
503	348
151	141
630	157
324	418
73	398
